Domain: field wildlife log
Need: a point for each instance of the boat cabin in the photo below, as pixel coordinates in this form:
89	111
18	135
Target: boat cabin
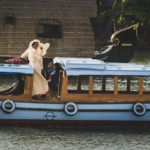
89	80
81	80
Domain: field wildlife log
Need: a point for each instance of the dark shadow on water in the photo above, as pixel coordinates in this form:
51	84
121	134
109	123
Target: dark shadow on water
125	129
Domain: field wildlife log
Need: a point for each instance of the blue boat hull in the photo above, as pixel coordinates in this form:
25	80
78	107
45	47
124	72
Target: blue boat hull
85	112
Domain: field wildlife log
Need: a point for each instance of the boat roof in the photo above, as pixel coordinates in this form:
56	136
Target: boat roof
89	66
16	68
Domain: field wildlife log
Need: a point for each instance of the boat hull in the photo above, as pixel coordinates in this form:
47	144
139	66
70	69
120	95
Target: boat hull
117	54
123	45
86	112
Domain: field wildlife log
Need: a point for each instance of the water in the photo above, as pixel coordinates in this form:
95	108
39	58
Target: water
97	138
117	137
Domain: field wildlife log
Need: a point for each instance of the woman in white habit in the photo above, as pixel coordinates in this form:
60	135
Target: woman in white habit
34	54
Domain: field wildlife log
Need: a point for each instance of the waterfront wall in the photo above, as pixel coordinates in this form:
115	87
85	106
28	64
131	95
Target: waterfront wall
66	24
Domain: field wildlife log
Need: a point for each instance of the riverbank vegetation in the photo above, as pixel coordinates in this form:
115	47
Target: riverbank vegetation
116	14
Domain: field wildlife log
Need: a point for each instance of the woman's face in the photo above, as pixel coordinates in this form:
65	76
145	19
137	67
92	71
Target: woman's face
35	45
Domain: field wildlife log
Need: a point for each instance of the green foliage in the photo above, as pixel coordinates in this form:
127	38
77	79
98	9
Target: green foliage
121	20
127	12
140	8
104	14
124	2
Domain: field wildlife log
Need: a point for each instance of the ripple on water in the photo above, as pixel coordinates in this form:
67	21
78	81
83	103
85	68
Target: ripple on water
85	138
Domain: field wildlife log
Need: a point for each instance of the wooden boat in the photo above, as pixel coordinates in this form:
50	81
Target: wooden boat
121	47
89	90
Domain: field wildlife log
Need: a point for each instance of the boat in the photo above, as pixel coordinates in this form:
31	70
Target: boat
89	90
121	47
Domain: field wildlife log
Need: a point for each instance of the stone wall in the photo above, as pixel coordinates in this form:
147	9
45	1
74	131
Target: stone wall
20	20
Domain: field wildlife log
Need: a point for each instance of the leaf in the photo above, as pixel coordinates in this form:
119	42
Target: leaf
125	1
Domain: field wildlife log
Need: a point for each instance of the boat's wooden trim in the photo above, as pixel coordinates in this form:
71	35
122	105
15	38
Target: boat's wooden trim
104	98
103	84
91	85
64	88
128	84
22	97
79	83
28	86
116	85
141	86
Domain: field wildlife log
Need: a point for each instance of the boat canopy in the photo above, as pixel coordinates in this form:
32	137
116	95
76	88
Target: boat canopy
89	66
11	69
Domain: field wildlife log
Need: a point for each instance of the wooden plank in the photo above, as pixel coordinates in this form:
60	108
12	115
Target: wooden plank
24	98
64	88
128	84
28	86
141	85
105	98
103	84
116	85
79	83
91	85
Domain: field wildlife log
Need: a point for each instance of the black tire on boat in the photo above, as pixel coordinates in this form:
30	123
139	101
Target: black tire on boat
71	108
139	109
8	106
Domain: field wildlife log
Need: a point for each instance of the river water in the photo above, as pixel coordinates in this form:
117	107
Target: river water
116	137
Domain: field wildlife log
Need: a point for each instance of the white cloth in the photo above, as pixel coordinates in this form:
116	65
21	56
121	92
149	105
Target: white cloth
34	56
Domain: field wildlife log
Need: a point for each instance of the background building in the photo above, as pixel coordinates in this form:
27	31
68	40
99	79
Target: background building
66	24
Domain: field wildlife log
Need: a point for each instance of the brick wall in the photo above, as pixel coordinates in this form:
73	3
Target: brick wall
74	16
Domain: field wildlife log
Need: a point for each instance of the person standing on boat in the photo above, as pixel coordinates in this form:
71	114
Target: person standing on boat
34	54
51	74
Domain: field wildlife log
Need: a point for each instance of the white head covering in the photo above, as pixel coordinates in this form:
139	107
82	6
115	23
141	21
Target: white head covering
35	40
45	47
42	52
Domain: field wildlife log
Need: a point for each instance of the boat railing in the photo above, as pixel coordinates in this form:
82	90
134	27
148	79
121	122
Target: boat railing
105	88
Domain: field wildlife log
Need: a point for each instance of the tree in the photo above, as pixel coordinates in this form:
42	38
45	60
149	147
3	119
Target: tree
140	9
122	13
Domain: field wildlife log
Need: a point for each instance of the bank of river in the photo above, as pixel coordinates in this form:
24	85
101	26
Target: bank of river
120	137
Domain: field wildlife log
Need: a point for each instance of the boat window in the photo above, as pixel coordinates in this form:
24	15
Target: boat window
122	84
6	82
134	84
72	83
109	84
11	84
97	84
78	84
84	83
146	85
103	84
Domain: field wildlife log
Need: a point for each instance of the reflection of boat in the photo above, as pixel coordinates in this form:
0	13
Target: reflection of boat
89	90
122	45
